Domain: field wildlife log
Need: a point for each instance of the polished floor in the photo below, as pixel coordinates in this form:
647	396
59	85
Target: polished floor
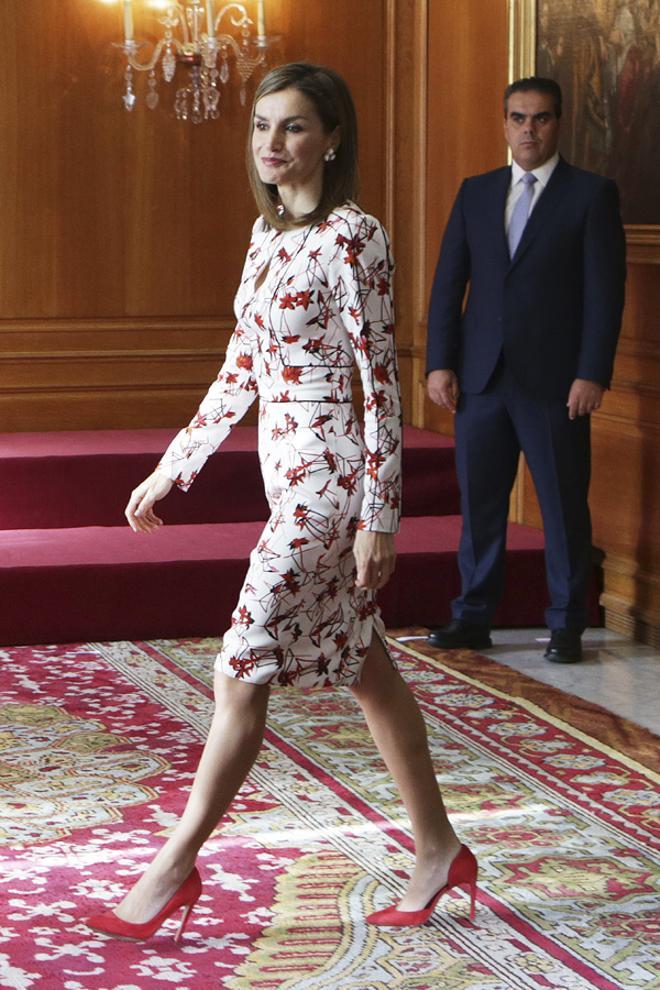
617	673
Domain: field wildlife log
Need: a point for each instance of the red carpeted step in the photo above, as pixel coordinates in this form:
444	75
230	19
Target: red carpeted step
88	583
84	478
96	583
430	487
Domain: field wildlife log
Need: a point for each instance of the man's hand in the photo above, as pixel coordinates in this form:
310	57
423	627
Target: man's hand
584	397
442	386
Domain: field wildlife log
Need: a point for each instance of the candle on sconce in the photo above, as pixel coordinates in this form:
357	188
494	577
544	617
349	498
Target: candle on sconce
261	19
128	20
210	28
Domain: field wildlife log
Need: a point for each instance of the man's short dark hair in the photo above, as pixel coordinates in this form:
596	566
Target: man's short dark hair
535	84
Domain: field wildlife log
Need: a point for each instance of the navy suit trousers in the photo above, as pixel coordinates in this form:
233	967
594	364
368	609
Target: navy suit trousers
492	428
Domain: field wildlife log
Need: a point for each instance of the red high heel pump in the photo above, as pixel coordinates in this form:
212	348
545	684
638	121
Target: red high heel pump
186	897
462	873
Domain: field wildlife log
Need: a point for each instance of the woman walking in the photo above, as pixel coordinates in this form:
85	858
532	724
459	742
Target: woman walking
314	298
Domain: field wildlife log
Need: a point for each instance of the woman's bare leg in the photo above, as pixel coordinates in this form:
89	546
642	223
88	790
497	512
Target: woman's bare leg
232	745
398	729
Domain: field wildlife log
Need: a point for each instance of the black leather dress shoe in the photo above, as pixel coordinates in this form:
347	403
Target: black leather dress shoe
565	646
460	635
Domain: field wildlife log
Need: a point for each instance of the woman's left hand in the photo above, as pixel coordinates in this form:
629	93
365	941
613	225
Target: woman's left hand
375	557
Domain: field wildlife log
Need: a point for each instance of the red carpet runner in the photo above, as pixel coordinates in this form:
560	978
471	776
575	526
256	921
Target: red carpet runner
98	746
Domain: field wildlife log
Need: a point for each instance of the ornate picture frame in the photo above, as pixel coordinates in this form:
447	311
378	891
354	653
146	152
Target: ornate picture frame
527	22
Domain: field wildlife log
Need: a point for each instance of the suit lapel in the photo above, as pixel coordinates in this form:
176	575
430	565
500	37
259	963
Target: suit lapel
545	208
495	205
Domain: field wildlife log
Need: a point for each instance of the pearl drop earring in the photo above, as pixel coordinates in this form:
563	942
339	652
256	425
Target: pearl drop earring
330	155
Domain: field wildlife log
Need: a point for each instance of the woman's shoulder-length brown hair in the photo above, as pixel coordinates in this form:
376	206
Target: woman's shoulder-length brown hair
333	103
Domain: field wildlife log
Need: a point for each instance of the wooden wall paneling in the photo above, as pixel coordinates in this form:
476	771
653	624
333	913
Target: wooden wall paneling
467	74
404	156
102	204
96	373
626	477
627	524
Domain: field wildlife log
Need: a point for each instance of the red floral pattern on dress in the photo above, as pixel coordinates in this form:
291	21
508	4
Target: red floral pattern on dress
323	306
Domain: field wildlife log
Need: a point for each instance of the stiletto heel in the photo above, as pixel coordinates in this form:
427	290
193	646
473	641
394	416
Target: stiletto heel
184	921
463	872
185	897
473	898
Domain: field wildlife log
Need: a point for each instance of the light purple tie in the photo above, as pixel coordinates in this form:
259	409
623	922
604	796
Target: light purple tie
521	212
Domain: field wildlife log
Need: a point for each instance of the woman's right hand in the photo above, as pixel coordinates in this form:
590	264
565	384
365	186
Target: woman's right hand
139	511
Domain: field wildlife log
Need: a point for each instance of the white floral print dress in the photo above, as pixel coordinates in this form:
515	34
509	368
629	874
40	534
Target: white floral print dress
324	303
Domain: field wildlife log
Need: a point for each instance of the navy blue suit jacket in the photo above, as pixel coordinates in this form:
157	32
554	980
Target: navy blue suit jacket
554	309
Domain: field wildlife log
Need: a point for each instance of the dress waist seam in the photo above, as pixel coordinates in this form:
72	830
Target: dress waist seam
322	399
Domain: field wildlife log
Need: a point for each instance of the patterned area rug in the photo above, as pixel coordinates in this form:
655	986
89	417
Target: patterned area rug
98	744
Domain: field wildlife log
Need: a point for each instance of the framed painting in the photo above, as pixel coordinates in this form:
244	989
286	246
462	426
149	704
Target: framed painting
605	54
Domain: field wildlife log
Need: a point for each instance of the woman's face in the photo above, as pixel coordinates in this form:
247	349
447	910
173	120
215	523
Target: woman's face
288	140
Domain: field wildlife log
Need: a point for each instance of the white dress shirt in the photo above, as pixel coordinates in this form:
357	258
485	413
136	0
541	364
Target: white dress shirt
542	173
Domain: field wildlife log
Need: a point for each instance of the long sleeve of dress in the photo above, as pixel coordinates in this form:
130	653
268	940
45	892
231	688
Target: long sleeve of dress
226	401
362	283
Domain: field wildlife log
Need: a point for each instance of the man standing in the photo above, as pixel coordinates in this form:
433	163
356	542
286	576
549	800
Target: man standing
542	248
